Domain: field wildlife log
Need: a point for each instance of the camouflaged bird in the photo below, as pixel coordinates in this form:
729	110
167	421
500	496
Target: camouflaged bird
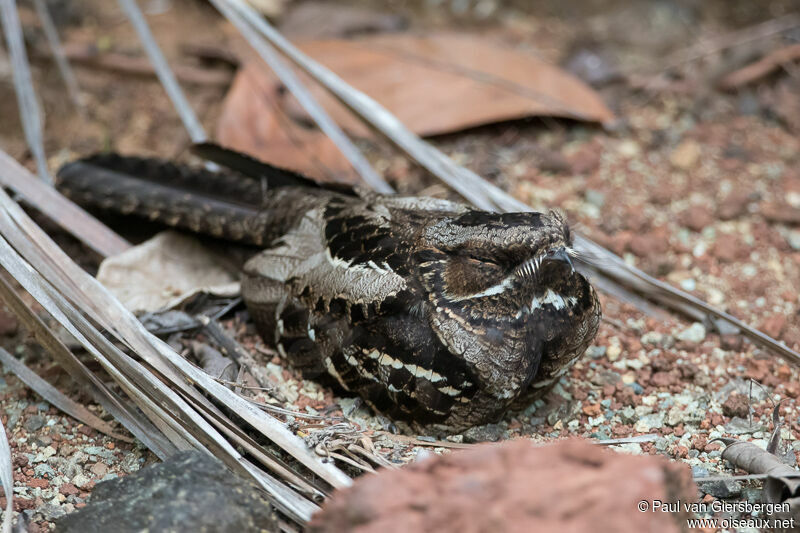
435	313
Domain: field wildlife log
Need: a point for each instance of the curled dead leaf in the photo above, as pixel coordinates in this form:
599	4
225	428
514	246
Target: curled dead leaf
164	271
433	84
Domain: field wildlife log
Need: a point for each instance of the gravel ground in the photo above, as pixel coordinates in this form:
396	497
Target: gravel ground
699	188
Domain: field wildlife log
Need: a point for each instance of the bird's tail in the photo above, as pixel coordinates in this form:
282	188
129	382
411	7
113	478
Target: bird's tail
250	202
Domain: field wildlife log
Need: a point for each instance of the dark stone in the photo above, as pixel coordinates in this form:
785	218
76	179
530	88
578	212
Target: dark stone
191	491
487	433
34	423
721	489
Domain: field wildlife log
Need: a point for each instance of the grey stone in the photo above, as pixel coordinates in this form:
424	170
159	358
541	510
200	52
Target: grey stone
34	423
794	239
637	389
628	415
52	511
537	420
191	491
486	433
742	387
595	352
44	470
603	377
695	334
721	489
741	426
99	451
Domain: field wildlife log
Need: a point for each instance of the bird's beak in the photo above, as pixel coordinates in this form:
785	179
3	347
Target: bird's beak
561	254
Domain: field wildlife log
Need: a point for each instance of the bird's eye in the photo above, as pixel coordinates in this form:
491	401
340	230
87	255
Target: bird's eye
484	259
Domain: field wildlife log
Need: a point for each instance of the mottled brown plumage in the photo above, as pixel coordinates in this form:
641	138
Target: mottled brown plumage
435	313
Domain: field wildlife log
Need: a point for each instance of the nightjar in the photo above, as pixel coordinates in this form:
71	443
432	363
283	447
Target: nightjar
435	313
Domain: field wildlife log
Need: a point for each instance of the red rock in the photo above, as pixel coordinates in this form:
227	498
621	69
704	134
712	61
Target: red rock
8	323
792	336
773	325
792	389
784	372
592	409
663	379
699	442
513	487
780	213
67	489
86	430
681	452
38	483
729	248
650	244
697	217
736	405
731	341
733	205
586	159
99	469
20	504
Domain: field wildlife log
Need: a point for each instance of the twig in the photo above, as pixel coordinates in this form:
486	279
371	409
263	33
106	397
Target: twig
309	103
132	419
63	212
743	477
103	308
755	71
231	347
89	56
64	69
165	75
413	441
7	480
56	398
650	437
736	38
29	111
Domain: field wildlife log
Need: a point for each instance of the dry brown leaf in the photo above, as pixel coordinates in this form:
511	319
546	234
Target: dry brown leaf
434	85
448	82
163	271
254	122
761	68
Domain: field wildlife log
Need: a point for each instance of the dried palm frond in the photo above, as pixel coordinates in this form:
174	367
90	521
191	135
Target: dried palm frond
170	391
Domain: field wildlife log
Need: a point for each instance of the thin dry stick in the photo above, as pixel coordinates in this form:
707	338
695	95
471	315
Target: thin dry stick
307	100
89	56
62	211
364	106
107	311
186	425
137	424
728	40
7	480
165	75
64	69
56	398
29	111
